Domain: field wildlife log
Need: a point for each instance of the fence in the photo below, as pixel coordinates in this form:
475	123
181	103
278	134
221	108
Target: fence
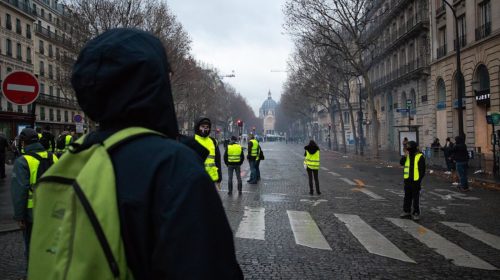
434	158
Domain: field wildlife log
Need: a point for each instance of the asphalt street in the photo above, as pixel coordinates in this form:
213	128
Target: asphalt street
352	230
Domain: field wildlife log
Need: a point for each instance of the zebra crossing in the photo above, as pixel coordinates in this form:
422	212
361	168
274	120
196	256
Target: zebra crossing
307	233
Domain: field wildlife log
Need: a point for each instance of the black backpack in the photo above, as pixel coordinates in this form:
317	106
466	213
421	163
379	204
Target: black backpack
45	163
61	142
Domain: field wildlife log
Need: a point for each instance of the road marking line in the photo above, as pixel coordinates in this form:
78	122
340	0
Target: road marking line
305	230
456	254
324	168
253	225
373	241
368	192
348	181
334	174
487	238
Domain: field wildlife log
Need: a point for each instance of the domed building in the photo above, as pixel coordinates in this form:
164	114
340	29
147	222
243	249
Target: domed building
267	113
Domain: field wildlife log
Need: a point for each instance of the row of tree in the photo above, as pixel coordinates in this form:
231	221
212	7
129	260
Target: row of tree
197	88
335	47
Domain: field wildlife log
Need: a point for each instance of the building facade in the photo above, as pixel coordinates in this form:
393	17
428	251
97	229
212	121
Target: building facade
479	39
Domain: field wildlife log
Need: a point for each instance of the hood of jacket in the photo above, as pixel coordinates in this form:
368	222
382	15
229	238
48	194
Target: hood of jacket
199	121
121	79
311	149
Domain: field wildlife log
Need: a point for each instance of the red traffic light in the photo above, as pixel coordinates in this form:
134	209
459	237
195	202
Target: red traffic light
239	122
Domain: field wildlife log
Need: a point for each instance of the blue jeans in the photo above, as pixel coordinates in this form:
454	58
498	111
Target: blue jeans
257	169
253	170
462	173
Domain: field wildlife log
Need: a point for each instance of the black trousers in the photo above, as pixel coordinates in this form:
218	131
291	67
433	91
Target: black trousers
412	197
310	174
2	165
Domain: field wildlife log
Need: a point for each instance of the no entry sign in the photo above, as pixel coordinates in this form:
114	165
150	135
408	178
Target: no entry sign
20	88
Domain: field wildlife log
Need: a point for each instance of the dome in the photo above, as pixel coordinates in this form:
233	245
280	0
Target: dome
269	104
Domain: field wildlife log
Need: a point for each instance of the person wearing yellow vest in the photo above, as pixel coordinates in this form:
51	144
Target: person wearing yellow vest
233	158
212	161
413	173
63	141
253	157
24	177
312	161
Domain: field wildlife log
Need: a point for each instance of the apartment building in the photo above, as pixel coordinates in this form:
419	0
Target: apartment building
479	40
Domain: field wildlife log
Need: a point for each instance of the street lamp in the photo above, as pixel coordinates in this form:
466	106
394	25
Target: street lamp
459	75
360	120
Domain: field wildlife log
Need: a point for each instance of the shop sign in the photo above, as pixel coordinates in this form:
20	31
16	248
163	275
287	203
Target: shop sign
482	97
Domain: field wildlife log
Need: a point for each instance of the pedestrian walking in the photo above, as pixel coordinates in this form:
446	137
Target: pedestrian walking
160	213
414	171
26	171
202	130
4	144
233	158
252	156
312	162
447	152
460	156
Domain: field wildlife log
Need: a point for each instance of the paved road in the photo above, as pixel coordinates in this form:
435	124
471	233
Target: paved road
352	230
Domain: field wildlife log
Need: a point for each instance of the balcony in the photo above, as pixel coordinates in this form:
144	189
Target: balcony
483	31
462	40
440	10
441	51
20	5
408	71
57	101
58	39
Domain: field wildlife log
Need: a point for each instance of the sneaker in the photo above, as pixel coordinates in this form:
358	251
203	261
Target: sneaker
415	217
448	172
464	189
405	215
455	183
319	193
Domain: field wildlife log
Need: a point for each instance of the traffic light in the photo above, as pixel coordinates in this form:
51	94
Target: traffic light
240	123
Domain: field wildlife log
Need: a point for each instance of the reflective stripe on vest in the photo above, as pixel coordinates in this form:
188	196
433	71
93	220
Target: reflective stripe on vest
33	164
233	152
255	148
312	161
416	174
210	166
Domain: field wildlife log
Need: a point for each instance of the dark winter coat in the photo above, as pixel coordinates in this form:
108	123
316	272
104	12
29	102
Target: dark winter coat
459	152
172	220
311	149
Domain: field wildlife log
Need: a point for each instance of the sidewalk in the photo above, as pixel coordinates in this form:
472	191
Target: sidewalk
6	211
392	158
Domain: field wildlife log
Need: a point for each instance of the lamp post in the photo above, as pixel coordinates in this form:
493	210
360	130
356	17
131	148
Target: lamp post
360	121
459	75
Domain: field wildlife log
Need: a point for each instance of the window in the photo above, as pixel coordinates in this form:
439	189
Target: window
462	31
19	52
9	107
8	47
50	50
441	51
66	116
8	22
484	28
28	31
58	115
58	93
42	113
19	108
42	88
50	17
42	69
51	73
42	12
51	114
346	117
40	47
58	56
18	26
28	55
51	90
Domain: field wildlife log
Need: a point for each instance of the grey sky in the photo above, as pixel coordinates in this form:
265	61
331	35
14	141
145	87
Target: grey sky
244	36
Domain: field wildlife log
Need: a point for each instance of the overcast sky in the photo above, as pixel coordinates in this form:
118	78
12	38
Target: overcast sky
240	35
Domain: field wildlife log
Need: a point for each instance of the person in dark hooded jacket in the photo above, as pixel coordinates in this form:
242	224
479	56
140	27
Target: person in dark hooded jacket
414	171
460	155
312	161
212	162
172	221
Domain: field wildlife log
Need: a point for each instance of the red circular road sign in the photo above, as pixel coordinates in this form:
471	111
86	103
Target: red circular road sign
20	88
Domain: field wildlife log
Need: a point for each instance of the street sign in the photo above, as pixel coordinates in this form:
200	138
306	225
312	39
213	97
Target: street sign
77	118
402	110
408	103
79	128
20	88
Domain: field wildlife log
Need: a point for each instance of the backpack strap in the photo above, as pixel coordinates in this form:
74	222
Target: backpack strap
127	135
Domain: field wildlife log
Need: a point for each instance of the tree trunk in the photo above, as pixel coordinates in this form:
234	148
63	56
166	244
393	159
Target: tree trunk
334	128
353	126
342	126
373	115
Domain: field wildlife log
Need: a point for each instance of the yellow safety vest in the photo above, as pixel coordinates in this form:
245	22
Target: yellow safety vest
33	164
39	136
234	152
416	174
255	149
312	161
210	166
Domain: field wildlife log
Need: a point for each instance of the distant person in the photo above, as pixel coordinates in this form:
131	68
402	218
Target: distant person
312	162
435	146
202	130
414	171
405	144
48	140
233	158
447	152
63	142
4	144
171	220
460	156
252	156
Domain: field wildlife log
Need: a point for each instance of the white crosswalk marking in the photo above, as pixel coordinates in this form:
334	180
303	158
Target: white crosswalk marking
372	240
253	225
324	168
369	193
348	181
487	238
334	174
442	246
305	230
